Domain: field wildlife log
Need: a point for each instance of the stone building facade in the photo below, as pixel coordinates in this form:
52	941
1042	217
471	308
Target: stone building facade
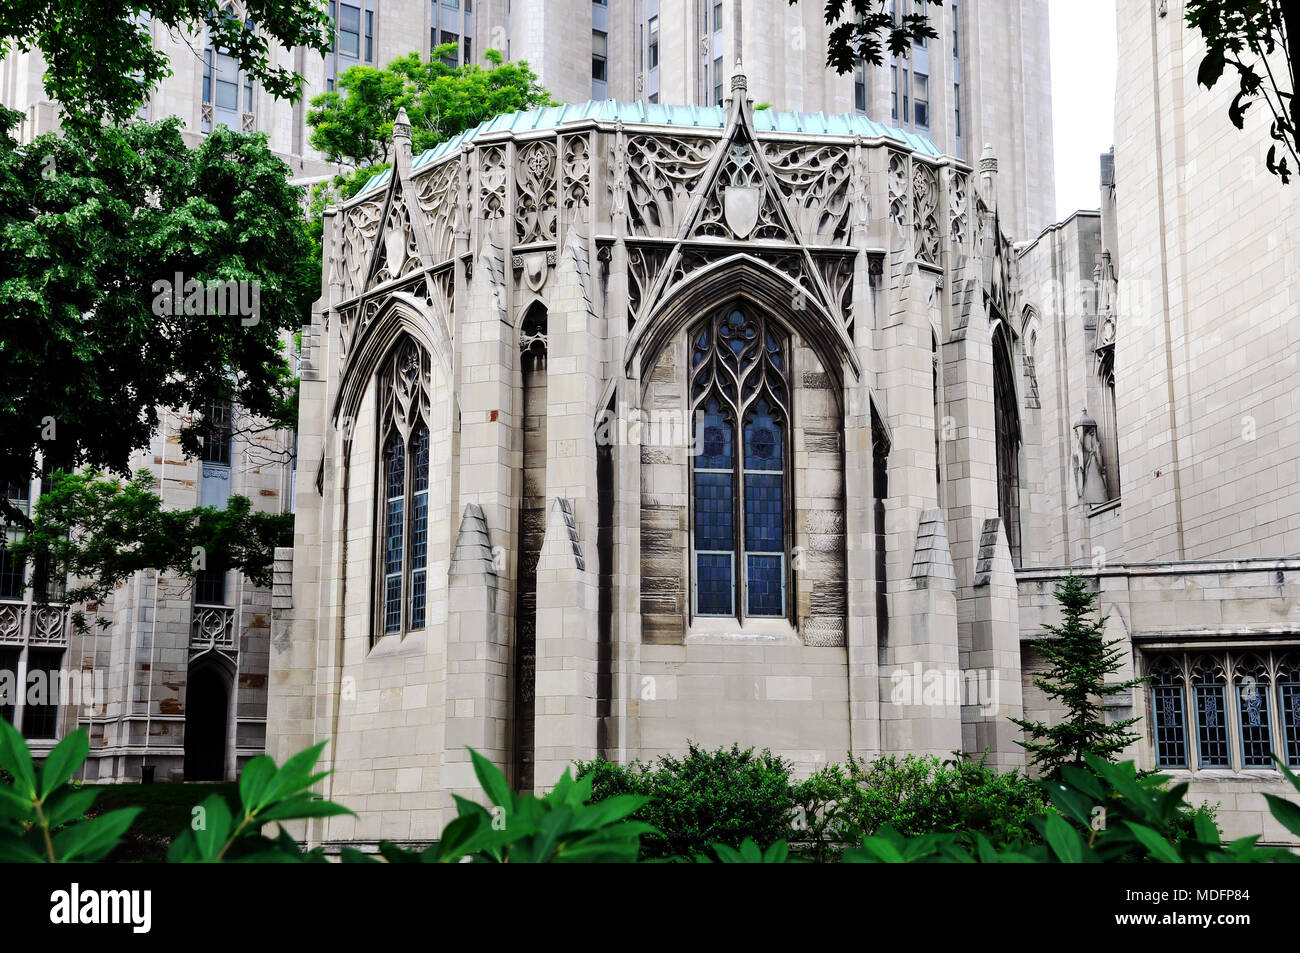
756	427
625	425
1162	335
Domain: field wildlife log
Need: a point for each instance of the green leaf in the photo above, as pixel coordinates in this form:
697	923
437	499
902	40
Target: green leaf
62	763
302	807
68	805
1064	840
254	781
494	782
217	824
294	776
350	855
14	850
15	807
1286	812
1211	68
1159	848
94	838
17	760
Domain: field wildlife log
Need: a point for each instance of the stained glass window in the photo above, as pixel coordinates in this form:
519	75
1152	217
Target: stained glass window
1288	693
1209	688
402	553
1233	698
1167	707
738	374
395	474
419	523
1252	701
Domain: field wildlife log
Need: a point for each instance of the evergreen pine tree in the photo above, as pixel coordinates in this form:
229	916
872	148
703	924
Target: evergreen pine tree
1079	658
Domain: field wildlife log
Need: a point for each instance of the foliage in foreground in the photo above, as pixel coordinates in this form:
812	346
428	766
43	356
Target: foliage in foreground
102	63
1105	813
702	798
1257	38
354	124
868	29
915	795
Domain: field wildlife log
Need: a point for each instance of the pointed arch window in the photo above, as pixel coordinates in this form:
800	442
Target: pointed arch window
1168	707
1210	689
1252	700
740	475
403	517
1007	422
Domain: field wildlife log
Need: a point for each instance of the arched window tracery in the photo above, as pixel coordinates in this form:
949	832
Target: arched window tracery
403	518
740	402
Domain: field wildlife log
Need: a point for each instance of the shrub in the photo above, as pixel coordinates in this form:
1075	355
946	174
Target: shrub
702	798
916	795
1104	813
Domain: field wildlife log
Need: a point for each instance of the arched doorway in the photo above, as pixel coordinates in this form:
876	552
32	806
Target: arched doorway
207	706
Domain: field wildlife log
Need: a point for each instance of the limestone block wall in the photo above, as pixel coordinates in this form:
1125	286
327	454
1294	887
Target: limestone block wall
768	693
1209	447
1059	322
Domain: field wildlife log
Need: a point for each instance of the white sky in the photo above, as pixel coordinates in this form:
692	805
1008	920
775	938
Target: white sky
1083	97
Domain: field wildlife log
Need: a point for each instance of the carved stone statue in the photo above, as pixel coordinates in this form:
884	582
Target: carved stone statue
1089	468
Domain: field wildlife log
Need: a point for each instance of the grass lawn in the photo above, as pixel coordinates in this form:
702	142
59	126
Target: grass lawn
167	812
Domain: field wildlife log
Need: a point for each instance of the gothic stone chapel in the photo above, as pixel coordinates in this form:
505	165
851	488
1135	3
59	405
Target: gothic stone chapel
625	425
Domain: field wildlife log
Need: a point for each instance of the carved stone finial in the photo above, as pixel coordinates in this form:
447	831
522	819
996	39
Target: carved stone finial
739	82
401	126
988	161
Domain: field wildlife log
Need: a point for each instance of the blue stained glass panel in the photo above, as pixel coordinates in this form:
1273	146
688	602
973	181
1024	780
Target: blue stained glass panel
764	521
394	466
1256	740
392	603
395	474
765	585
1290	695
1170	730
763	439
419	538
420	458
417	598
1211	726
713	584
713	512
715	438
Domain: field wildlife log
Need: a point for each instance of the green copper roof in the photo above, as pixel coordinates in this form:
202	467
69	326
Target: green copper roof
700	117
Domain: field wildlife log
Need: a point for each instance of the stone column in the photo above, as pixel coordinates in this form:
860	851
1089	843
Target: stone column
478	658
567	624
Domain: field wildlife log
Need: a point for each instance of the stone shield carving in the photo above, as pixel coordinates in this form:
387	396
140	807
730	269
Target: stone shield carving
740	206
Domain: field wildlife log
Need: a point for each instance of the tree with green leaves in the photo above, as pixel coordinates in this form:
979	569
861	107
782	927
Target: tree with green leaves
1078	660
864	30
118	244
354	125
102	64
101	531
1260	41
